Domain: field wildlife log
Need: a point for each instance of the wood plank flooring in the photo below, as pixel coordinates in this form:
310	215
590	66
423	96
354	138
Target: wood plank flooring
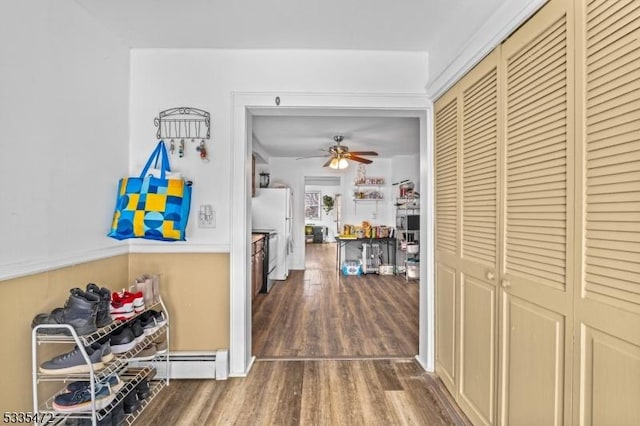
330	351
325	392
316	313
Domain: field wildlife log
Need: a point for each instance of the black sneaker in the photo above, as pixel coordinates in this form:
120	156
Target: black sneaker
151	313
138	331
122	340
131	402
143	389
117	414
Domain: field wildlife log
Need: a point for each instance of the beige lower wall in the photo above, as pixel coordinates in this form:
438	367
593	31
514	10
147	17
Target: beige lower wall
195	288
22	298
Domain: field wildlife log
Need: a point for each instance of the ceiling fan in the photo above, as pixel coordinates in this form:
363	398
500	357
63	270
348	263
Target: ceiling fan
339	154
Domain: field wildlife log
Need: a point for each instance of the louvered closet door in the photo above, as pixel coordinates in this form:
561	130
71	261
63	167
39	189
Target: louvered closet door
607	373
446	236
536	303
479	241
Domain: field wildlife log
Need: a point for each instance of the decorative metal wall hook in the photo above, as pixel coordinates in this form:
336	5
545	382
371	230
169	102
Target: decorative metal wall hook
183	122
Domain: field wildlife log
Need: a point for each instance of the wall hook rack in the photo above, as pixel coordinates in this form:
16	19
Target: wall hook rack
183	122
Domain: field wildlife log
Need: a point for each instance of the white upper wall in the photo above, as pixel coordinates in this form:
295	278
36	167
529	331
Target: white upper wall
64	97
205	79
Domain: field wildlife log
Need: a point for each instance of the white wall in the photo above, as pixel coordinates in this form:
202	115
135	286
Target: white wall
64	97
205	79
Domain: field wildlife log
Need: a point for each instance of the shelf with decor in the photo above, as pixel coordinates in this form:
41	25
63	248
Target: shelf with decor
368	189
408	234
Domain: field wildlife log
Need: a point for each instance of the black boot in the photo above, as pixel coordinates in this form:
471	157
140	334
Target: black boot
103	317
79	312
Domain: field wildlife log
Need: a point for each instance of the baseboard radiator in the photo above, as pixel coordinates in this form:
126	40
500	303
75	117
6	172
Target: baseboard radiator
191	365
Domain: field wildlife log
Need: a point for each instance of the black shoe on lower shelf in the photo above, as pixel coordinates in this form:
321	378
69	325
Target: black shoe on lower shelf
143	389
107	420
117	414
131	402
122	340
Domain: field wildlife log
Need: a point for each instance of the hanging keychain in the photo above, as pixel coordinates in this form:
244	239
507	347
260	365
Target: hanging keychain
202	149
181	149
172	147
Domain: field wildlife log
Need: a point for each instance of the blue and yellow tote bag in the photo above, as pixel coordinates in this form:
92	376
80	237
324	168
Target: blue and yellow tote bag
150	207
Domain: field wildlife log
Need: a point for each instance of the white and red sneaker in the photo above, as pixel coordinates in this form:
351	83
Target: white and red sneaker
136	299
120	309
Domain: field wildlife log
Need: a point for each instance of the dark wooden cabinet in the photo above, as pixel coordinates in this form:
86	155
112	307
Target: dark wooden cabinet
257	263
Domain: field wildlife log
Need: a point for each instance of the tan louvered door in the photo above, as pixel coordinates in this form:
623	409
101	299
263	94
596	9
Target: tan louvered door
446	236
537	272
607	308
479	241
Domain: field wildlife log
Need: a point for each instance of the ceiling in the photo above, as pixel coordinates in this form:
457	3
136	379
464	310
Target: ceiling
405	25
306	136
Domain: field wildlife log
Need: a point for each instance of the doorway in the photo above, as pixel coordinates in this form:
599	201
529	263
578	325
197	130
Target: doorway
248	105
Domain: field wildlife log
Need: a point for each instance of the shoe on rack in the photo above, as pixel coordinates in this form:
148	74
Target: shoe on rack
138	331
120	309
104	346
122	340
73	362
131	402
143	389
117	414
79	311
80	400
146	354
136	299
107	420
161	345
144	284
149	323
114	381
158	315
103	317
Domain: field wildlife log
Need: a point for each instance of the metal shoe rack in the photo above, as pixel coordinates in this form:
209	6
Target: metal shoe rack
44	412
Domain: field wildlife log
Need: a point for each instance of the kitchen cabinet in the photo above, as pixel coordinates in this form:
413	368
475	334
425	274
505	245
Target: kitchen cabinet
257	263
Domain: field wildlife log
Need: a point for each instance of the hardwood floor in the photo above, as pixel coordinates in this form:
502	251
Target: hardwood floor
317	314
331	350
327	392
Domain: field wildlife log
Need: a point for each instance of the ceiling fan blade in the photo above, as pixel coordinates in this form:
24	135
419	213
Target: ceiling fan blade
313	156
328	162
359	159
363	152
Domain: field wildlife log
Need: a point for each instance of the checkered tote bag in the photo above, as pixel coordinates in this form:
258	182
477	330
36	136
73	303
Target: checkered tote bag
154	208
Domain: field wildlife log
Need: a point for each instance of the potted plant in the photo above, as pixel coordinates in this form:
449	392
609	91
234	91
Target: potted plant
327	203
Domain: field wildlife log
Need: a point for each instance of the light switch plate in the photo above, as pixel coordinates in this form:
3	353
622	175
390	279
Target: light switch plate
206	216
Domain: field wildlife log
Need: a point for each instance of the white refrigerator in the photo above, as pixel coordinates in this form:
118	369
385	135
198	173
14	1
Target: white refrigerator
271	208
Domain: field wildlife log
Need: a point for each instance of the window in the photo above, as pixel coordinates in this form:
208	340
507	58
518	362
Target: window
312	205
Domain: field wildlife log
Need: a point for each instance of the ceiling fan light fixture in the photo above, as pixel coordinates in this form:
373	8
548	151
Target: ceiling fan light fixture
339	163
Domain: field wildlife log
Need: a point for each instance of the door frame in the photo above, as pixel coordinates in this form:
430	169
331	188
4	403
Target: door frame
244	107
